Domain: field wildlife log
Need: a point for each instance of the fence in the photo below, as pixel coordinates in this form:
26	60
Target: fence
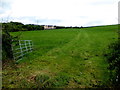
21	48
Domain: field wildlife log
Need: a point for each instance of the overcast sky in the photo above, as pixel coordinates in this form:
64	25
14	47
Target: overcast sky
60	12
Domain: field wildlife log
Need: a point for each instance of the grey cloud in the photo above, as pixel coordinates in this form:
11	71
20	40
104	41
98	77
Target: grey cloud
92	23
1	11
82	17
102	2
40	20
5	5
33	19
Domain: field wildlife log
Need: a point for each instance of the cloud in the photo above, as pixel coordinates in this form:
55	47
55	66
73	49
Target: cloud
61	12
5	5
93	23
34	20
5	9
105	2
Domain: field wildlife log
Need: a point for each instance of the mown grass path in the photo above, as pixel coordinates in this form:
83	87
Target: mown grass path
86	68
69	58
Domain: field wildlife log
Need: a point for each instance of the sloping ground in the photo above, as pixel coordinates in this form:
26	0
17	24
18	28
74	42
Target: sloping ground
76	58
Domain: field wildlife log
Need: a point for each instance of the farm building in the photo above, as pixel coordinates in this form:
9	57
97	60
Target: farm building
49	27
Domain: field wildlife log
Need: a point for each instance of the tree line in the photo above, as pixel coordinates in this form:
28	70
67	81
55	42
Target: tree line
18	26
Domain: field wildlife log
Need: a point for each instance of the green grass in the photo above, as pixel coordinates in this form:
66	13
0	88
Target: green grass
68	58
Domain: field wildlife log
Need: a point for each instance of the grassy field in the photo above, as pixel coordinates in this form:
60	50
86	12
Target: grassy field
63	58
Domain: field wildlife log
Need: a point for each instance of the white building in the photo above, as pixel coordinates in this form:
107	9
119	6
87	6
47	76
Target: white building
49	27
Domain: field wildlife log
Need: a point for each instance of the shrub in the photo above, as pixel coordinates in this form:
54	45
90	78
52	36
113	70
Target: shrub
7	40
114	62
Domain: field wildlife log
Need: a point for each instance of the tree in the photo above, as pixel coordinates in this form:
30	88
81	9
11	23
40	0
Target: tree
7	40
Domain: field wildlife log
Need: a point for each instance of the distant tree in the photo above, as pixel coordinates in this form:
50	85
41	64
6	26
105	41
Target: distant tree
60	27
16	23
18	26
81	26
75	27
13	26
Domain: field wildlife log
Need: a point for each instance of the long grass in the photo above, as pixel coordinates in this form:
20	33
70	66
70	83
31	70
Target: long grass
67	58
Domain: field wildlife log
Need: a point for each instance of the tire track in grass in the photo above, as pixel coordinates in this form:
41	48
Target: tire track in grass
68	59
96	66
50	58
94	70
65	60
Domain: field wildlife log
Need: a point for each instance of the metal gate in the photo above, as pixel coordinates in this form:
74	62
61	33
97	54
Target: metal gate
21	48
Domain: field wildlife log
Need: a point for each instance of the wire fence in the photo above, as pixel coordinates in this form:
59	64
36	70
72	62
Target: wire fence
21	48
